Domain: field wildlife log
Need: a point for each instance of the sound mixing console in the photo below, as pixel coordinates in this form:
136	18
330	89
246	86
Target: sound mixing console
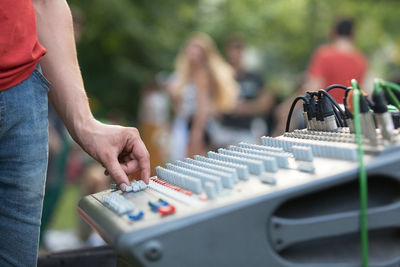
291	201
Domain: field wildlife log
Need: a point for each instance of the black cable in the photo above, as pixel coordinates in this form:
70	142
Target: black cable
333	86
370	102
335	104
291	111
348	90
312	93
333	101
337	116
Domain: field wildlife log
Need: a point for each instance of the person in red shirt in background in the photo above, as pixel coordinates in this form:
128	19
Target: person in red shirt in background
37	35
338	62
334	63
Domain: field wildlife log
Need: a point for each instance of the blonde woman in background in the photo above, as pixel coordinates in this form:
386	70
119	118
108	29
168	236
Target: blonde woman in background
202	88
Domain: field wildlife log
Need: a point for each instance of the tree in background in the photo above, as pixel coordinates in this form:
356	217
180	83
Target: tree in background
124	42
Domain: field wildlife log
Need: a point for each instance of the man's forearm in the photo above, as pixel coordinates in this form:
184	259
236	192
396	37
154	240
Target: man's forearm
60	65
119	149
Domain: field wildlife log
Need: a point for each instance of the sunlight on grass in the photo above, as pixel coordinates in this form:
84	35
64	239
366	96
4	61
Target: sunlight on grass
66	213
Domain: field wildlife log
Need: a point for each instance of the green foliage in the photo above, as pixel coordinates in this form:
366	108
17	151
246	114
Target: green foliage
125	42
66	215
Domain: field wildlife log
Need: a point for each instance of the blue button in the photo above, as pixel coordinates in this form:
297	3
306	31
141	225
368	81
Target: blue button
136	217
163	202
153	206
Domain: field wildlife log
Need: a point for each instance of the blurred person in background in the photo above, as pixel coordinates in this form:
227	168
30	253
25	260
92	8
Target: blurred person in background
334	63
153	116
247	122
202	88
337	62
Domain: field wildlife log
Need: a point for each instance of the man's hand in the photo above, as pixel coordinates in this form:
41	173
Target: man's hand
119	149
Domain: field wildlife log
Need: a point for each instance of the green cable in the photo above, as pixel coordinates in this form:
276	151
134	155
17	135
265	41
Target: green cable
393	86
362	173
392	97
377	85
389	86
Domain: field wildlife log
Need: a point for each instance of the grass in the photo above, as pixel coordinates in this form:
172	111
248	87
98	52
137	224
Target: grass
66	212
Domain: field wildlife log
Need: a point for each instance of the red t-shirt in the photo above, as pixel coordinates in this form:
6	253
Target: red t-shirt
334	66
20	50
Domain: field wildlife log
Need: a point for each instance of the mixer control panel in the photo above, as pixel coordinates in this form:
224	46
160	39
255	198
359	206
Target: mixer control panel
193	190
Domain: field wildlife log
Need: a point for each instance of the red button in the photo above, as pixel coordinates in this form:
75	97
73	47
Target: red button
166	210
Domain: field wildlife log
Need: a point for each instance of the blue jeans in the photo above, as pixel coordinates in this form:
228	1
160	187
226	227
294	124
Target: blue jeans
23	163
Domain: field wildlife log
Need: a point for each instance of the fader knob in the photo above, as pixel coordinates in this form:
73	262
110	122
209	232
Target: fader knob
153	250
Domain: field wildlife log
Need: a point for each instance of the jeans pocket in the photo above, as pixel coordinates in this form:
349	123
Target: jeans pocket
43	79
